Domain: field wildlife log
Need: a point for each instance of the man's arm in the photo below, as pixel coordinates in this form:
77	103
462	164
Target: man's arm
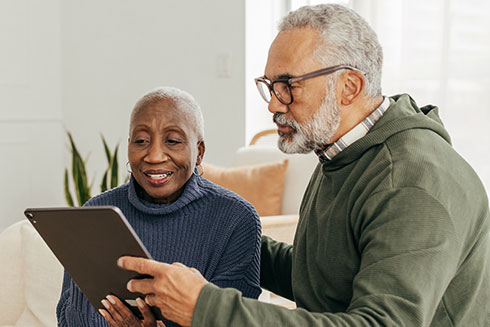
409	255
275	267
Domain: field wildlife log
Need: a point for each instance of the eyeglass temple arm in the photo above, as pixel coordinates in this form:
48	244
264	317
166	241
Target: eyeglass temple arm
320	72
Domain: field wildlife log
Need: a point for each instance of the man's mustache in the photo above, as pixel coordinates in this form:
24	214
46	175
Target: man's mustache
280	118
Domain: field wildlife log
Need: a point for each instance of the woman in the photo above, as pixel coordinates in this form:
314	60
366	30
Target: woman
179	216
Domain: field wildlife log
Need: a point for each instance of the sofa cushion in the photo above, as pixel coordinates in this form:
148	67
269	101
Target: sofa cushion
43	276
299	170
31	278
262	185
11	270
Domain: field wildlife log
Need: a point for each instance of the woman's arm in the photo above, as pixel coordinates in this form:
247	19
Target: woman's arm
239	265
65	294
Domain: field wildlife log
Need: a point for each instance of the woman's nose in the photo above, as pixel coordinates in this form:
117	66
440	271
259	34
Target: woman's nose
156	154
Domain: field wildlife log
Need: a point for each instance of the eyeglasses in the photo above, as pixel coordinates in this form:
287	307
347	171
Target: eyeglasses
282	86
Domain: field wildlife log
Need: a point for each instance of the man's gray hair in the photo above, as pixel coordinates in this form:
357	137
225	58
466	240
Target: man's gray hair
182	100
347	39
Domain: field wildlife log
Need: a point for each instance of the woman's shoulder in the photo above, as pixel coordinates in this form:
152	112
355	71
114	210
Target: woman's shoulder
109	197
223	196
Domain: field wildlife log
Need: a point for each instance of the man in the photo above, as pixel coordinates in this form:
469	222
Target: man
394	226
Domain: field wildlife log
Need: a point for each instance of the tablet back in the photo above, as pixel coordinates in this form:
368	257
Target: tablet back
88	241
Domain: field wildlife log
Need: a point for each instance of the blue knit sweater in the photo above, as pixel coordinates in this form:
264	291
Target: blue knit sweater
207	227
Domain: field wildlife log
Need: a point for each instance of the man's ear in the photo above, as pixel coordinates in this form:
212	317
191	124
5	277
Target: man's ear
352	83
201	148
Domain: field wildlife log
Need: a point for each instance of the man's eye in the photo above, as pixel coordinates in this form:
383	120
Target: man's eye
140	141
171	141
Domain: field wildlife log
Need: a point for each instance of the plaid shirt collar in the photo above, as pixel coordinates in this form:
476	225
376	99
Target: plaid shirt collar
354	134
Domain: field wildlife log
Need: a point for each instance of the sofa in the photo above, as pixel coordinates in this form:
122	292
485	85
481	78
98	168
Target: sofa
31	275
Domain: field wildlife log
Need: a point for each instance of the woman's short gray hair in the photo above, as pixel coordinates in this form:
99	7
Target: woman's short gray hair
347	39
183	100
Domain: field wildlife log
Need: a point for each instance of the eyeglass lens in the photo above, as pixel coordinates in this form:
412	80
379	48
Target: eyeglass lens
264	91
281	90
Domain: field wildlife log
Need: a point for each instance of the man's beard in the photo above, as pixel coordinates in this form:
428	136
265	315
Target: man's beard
314	133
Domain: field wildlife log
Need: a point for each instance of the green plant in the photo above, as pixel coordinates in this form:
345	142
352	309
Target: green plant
79	174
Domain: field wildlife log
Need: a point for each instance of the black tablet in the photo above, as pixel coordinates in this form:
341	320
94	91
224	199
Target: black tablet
88	241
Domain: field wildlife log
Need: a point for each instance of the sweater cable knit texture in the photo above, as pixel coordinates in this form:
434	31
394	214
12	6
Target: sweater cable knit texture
207	227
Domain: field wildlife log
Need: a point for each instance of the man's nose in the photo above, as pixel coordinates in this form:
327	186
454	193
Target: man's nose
276	106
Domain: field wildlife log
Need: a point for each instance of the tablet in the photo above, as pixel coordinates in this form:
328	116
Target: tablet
88	241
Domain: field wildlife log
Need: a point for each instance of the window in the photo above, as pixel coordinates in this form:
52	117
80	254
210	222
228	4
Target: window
437	51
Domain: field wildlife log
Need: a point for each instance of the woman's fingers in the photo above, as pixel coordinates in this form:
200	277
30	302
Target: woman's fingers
148	317
112	311
107	316
118	314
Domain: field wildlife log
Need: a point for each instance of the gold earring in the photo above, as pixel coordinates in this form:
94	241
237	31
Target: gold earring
199	173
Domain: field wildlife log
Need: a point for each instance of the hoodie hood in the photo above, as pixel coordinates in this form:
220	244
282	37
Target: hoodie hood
402	114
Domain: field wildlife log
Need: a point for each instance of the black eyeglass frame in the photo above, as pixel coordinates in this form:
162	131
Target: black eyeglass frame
292	80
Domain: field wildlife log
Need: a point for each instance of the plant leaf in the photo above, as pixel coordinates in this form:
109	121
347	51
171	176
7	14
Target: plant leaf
114	169
103	184
79	174
107	150
68	197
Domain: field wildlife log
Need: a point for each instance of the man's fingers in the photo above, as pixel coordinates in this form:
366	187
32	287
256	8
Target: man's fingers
178	264
149	299
144	286
141	265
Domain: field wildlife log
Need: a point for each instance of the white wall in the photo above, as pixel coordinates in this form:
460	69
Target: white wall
30	107
81	65
114	51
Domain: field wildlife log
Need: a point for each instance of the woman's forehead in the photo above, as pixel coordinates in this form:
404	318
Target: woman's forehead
161	113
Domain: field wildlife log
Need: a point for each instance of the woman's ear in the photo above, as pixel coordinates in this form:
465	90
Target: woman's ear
351	86
201	148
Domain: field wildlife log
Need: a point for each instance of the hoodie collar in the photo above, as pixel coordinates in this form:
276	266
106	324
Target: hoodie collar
402	114
354	134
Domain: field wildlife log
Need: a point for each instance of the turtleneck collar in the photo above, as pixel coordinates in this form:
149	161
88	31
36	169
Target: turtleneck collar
192	191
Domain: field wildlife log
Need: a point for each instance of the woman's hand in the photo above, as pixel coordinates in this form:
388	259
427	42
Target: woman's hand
119	315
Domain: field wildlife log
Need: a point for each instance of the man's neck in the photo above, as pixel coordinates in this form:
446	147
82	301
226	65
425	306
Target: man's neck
352	115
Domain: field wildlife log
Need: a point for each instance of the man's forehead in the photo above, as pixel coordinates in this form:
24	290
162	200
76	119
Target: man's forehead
290	52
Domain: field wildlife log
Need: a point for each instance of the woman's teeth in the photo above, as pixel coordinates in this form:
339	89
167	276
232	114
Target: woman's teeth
159	176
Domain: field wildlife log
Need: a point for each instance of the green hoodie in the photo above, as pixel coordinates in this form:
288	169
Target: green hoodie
394	231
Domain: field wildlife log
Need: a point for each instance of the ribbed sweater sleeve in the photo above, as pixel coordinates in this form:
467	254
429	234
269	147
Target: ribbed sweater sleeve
238	266
207	227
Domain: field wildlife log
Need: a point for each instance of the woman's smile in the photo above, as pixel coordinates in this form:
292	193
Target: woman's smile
158	177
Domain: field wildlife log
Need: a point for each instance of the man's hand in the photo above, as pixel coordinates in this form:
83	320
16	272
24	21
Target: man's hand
174	288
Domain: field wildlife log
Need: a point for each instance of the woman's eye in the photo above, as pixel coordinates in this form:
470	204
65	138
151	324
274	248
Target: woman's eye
140	141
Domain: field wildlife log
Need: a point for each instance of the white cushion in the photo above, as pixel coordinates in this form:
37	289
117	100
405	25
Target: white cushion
11	271
34	281
300	168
